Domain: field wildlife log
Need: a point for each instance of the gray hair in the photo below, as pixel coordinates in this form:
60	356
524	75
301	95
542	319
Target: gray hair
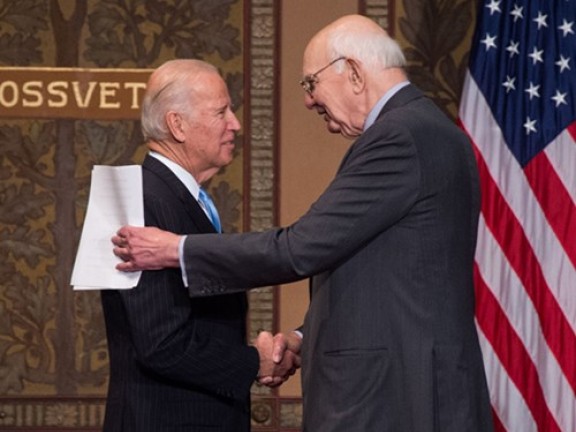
376	50
171	88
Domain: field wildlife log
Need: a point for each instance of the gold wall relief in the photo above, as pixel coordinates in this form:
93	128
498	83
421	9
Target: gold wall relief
71	75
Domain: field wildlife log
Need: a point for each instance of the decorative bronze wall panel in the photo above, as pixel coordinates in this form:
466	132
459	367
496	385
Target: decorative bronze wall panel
53	357
262	212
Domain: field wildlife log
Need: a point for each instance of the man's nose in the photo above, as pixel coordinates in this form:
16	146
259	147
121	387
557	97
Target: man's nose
309	101
234	123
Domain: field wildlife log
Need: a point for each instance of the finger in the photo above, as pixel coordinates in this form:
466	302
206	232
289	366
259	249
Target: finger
276	381
119	251
123	231
278	349
126	267
124	254
117	240
265	380
277	355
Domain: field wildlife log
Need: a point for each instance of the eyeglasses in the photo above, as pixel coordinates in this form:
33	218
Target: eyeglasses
310	80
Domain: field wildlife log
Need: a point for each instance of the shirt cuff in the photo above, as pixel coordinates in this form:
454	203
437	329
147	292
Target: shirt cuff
181	259
299	333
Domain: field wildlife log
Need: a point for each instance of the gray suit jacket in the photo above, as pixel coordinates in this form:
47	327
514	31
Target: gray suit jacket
176	363
390	342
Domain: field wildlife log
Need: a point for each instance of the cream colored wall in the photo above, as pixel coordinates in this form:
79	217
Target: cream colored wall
309	155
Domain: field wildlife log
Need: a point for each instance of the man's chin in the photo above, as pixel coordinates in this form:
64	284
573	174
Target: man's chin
229	149
333	127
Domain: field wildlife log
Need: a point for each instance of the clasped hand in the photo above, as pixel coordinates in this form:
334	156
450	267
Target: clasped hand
279	357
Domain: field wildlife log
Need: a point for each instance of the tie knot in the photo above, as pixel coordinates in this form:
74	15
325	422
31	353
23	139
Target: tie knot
203	195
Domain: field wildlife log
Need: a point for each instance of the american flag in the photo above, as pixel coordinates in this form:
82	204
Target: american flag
519	108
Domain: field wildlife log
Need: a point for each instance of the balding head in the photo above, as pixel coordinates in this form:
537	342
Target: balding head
348	67
359	38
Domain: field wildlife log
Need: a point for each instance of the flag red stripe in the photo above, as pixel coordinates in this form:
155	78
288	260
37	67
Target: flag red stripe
512	354
555	201
498	426
508	233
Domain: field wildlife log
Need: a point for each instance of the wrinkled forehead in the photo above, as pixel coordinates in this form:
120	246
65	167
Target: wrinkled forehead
209	84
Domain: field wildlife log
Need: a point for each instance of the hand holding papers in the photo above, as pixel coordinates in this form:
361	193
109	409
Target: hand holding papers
116	199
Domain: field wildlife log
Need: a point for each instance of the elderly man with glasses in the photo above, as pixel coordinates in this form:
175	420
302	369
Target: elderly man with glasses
389	341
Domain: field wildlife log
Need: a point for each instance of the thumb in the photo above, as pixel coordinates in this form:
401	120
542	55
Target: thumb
279	348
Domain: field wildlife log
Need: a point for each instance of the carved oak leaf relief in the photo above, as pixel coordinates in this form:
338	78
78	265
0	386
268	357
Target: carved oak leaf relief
20	20
235	84
27	149
136	31
27	350
12	371
20	203
227	201
103	143
94	365
435	29
25	243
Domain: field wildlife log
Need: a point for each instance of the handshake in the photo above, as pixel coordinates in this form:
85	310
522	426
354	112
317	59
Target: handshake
279	357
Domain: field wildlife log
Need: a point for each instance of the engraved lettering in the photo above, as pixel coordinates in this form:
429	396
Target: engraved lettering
10	85
74	93
58	89
108	89
135	86
83	103
34	90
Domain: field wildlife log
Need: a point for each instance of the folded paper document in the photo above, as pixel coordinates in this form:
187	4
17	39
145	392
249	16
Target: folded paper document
116	199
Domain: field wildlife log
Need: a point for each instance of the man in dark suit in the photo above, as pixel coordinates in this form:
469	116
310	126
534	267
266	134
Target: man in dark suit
389	340
179	363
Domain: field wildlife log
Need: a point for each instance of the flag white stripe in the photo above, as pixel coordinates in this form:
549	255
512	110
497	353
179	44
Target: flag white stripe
507	401
511	295
557	268
562	155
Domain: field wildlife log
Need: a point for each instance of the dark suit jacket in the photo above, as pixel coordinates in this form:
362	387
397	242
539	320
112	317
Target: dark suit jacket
390	342
176	363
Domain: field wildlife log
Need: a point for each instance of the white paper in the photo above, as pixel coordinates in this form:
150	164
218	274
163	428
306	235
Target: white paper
116	199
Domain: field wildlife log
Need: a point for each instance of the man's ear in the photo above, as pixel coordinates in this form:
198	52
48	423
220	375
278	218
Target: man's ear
175	126
356	75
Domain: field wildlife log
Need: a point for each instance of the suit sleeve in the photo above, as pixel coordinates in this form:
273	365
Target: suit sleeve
377	184
172	341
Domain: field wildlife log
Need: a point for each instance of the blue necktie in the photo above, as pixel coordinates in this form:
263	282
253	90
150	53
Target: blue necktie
205	199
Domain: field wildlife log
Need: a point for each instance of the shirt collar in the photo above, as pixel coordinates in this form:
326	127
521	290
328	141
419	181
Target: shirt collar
183	175
373	114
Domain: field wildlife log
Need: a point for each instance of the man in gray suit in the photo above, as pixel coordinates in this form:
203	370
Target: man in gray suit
390	342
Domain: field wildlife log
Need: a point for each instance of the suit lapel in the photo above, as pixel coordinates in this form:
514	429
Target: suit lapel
189	204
